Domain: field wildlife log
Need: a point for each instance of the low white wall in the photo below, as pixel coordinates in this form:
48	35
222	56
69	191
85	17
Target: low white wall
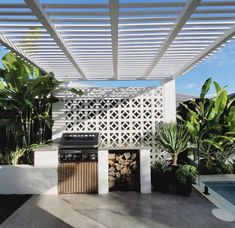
42	178
26	179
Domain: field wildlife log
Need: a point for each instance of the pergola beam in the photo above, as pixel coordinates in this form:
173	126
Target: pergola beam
216	44
185	15
114	8
44	19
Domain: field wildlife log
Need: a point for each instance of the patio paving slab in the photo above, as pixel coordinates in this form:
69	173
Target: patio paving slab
115	210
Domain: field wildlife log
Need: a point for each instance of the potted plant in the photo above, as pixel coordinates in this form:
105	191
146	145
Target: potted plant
160	174
185	176
173	139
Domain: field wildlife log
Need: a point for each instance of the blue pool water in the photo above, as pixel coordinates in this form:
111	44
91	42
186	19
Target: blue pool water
226	189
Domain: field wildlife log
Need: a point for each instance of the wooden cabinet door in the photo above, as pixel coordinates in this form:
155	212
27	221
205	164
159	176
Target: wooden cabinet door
78	178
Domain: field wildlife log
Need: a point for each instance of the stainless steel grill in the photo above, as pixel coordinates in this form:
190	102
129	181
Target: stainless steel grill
77	147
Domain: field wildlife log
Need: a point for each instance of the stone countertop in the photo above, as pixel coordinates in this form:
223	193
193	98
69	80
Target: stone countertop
47	147
123	146
54	147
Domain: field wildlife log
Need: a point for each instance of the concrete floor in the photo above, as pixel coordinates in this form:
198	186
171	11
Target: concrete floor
117	209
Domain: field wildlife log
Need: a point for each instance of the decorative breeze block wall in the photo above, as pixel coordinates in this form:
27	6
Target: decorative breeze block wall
125	117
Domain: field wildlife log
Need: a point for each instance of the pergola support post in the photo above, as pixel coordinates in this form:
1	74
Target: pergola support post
169	101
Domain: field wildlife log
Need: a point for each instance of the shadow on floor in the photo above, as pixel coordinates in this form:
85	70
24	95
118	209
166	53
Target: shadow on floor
36	218
10	203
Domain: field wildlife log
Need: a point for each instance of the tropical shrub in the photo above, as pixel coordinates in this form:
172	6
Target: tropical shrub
211	123
14	157
26	97
160	174
173	139
185	176
25	100
161	165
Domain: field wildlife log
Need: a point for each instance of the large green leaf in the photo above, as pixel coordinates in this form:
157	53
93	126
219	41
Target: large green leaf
220	102
231	119
209	109
193	125
231	100
217	87
213	143
2	85
205	88
43	85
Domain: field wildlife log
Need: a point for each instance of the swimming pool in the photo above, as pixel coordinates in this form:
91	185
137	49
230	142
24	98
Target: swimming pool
224	188
224	191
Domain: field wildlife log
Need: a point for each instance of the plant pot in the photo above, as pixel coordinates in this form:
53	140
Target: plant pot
172	178
160	181
184	189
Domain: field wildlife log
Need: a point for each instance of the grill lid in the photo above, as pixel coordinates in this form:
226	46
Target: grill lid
79	140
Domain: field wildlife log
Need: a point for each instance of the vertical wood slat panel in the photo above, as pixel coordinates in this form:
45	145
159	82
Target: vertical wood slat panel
78	178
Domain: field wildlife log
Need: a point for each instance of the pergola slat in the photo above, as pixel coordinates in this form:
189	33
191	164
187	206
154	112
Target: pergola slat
221	40
187	12
43	18
13	5
116	40
8	44
72	6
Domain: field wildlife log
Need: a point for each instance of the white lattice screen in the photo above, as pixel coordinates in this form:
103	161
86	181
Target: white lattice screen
125	117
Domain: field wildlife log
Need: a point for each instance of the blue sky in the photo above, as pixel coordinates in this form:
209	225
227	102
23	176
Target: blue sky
220	66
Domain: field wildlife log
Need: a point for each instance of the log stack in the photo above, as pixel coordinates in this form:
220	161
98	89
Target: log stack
124	170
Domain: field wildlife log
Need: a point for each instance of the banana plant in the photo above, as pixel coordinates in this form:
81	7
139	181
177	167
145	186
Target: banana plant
211	121
25	100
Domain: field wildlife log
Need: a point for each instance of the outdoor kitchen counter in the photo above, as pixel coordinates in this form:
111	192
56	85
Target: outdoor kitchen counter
46	156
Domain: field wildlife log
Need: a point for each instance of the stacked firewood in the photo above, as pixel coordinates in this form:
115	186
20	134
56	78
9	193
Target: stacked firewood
123	171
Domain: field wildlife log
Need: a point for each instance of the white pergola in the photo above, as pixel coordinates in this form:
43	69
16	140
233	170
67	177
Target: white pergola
111	40
116	39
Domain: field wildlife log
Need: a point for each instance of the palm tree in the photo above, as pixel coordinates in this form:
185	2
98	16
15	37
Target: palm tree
173	139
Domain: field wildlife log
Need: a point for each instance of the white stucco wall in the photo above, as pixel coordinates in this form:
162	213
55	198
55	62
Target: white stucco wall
169	101
26	179
42	178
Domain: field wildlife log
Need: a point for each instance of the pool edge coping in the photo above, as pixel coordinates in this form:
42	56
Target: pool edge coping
214	197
